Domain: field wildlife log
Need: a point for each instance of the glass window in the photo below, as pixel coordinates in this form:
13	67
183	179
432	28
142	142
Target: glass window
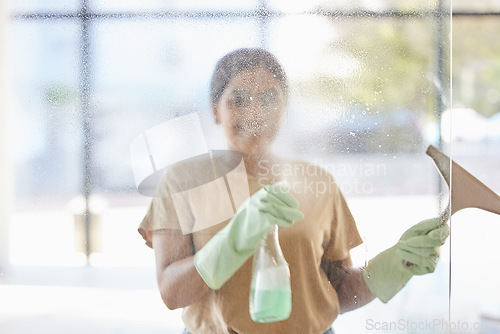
364	106
483	6
45	74
351	5
475	64
153	75
48	139
175	5
474	121
32	6
369	91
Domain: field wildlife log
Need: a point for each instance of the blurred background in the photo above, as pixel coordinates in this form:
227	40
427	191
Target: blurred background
373	83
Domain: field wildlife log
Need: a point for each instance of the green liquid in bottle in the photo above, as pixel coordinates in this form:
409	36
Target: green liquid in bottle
270	305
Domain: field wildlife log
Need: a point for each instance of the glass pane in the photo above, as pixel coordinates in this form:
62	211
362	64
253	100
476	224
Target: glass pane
44	78
483	6
476	67
475	139
159	5
31	6
366	97
370	80
155	74
44	62
351	5
363	106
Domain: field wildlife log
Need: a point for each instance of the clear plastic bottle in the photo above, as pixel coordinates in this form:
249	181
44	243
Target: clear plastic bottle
270	292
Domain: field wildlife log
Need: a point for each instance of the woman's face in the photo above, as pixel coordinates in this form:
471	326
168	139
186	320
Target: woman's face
250	110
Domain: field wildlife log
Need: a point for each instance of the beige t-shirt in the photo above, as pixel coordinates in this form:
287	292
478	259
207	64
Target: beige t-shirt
328	231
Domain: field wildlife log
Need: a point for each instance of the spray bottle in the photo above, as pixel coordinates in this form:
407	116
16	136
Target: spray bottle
270	292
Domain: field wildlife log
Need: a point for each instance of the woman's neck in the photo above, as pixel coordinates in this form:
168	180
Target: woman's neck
256	164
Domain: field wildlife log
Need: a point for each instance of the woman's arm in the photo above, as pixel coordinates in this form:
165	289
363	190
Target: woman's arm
349	284
178	280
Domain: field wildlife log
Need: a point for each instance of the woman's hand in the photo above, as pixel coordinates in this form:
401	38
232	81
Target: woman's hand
226	252
389	271
179	273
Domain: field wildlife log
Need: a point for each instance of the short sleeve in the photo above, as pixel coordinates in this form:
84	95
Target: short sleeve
344	233
161	213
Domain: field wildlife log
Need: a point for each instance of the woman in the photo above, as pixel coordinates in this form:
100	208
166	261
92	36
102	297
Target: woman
208	272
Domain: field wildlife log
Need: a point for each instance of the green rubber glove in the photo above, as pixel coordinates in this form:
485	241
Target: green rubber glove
416	253
226	252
